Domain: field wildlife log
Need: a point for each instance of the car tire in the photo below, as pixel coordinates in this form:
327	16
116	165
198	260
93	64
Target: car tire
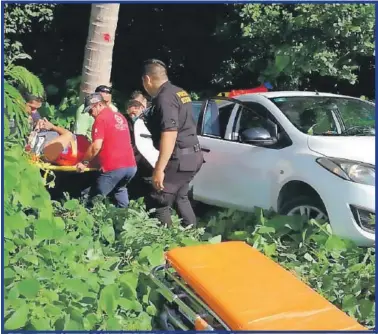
305	203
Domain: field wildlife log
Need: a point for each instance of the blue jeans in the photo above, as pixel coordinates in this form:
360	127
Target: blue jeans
114	184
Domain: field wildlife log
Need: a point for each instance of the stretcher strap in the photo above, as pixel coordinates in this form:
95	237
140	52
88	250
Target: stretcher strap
48	167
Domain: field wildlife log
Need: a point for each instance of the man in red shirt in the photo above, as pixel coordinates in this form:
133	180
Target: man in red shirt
112	144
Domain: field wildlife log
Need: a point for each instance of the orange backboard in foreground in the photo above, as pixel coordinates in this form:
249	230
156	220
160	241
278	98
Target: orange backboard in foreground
249	291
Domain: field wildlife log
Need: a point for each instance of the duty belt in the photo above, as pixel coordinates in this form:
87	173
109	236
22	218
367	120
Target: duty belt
188	150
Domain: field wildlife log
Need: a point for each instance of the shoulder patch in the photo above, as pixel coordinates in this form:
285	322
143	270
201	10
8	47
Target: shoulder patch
183	96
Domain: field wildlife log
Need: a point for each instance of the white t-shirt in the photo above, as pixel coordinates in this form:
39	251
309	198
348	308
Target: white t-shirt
143	142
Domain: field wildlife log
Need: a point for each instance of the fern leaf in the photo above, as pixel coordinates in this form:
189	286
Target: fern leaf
20	75
14	106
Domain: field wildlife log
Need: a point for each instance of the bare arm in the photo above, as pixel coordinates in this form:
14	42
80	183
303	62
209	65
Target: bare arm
93	150
45	124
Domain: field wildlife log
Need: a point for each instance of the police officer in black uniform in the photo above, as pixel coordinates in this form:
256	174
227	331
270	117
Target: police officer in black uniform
174	134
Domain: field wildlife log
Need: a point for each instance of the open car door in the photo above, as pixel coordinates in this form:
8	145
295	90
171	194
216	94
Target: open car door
144	144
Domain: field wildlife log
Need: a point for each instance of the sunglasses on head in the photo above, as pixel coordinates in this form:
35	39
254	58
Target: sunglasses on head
107	90
154	61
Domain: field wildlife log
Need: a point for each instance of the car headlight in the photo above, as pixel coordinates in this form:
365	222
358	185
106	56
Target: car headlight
349	170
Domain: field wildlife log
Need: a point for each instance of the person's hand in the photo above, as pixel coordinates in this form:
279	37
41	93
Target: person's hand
158	179
39	125
80	167
46	124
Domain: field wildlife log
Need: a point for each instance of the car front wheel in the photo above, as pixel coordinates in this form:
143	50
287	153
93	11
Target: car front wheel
305	206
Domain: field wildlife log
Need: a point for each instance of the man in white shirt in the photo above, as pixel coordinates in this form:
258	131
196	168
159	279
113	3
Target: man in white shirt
145	153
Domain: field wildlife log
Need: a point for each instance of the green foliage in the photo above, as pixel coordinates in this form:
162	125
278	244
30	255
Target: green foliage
68	269
14	103
285	44
18	19
336	268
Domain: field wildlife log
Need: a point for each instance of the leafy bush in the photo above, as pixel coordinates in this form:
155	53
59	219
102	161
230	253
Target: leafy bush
68	269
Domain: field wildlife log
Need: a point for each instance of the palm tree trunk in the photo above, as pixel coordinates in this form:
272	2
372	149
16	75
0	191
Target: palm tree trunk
98	56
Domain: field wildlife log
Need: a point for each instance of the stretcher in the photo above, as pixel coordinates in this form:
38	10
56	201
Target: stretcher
232	286
48	167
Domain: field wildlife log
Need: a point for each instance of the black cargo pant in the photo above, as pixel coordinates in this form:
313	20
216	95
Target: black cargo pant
179	172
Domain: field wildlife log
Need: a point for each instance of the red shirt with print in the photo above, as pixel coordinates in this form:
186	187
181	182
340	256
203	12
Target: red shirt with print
116	151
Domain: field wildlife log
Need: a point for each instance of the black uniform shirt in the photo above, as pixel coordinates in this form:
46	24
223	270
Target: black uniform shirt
172	110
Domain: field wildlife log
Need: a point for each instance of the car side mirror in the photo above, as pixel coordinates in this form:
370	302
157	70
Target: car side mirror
258	137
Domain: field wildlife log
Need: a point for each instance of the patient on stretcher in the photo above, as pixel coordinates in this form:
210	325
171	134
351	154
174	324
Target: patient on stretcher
57	145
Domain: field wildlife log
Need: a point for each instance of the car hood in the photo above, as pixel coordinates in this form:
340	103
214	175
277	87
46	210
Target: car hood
354	148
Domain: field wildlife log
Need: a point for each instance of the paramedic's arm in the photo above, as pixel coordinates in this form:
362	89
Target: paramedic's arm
93	150
98	135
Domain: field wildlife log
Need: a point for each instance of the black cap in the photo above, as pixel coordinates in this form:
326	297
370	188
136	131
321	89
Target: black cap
90	100
103	89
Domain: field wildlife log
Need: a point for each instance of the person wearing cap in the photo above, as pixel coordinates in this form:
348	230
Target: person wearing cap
111	143
84	122
174	133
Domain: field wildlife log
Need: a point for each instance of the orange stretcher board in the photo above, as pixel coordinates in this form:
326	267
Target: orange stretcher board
249	291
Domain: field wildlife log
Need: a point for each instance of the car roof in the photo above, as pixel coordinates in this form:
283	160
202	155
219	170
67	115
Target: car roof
270	95
276	94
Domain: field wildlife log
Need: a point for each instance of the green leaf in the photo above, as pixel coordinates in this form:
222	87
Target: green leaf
151	310
349	302
308	257
44	229
73	325
112	324
28	287
31	259
108	232
41	324
215	240
9	273
13	293
92	320
366	308
76	286
188	242
334	243
18	319
129	283
130	305
71	205
109	296
281	62
356	267
239	235
266	230
270	250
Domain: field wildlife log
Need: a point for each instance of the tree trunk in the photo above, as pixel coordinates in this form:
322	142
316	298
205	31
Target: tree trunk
97	65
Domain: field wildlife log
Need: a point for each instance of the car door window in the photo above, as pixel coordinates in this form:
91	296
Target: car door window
250	116
196	110
216	118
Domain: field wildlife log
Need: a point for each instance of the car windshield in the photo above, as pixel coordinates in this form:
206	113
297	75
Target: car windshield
327	116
